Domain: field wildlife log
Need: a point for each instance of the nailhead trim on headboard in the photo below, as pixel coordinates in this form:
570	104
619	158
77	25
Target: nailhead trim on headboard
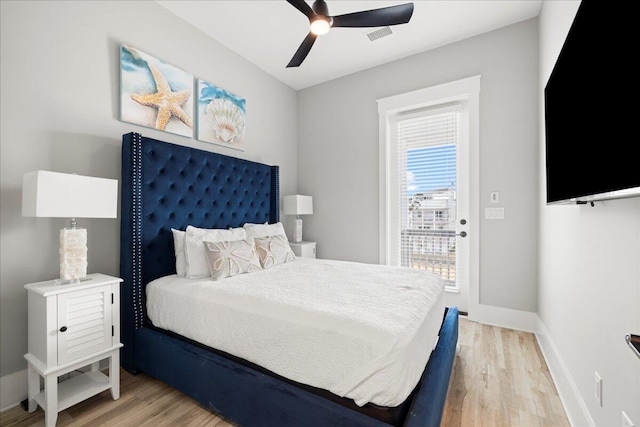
168	186
275	198
137	229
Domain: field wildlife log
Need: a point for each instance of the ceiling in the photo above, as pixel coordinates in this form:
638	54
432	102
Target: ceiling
268	33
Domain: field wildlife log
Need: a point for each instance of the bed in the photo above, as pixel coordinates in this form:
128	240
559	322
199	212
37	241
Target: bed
167	186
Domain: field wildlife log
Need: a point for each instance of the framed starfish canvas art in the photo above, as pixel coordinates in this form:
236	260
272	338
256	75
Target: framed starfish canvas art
155	94
221	116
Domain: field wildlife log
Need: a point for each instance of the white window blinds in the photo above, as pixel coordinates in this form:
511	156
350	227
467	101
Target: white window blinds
426	144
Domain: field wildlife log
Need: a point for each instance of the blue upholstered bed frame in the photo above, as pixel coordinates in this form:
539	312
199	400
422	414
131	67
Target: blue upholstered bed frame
168	186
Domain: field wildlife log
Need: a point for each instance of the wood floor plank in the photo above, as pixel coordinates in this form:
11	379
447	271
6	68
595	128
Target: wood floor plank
499	379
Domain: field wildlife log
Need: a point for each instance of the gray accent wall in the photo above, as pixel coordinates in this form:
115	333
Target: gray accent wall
60	112
338	155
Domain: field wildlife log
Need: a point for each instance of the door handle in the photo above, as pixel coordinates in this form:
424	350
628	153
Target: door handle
634	343
462	234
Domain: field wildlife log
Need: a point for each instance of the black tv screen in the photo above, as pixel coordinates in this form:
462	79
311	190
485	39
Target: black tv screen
591	121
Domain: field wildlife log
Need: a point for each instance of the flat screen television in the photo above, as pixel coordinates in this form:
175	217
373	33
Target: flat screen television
591	120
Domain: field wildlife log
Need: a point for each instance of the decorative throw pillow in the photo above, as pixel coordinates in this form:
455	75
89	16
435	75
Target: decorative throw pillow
194	251
273	250
263	230
226	259
178	247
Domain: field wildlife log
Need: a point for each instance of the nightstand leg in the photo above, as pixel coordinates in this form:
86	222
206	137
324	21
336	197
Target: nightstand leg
114	374
51	400
33	384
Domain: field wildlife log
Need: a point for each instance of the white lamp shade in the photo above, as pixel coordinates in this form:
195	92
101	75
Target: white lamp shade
62	195
298	205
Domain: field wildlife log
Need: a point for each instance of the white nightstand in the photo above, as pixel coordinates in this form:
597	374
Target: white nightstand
304	249
72	326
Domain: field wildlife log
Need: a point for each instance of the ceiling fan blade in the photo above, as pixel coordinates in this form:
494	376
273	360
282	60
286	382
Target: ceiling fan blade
392	15
303	7
302	51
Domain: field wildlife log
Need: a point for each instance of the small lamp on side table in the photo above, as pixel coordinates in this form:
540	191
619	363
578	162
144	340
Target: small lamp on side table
298	205
62	195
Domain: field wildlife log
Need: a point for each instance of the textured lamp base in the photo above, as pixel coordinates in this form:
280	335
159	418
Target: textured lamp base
73	254
297	231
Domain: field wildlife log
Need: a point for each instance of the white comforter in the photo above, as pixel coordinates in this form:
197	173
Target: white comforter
361	331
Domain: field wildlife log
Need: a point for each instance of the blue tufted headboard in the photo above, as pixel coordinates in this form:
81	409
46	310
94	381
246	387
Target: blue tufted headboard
168	186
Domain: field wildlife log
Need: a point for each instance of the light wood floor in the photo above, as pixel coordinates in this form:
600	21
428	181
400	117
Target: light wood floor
499	379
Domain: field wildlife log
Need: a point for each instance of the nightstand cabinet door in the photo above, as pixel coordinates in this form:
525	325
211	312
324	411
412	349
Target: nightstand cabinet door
304	249
84	323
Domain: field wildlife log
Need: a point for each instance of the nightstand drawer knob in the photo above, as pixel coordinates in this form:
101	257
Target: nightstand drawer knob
64	328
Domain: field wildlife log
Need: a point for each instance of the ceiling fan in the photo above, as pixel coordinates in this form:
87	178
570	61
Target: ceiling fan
321	22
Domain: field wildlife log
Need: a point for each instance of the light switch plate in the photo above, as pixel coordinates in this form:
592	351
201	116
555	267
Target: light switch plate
494	197
494	213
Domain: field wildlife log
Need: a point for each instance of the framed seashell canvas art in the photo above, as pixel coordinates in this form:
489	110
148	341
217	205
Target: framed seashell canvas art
221	116
155	94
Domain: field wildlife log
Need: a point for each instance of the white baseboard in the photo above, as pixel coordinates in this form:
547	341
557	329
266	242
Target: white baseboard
13	389
504	317
574	404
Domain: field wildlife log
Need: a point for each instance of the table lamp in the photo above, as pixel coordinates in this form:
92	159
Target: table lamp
298	205
61	195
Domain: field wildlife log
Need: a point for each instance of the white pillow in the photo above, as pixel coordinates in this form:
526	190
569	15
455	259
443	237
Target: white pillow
228	259
178	246
274	250
194	251
264	230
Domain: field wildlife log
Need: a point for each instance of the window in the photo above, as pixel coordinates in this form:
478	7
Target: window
425	144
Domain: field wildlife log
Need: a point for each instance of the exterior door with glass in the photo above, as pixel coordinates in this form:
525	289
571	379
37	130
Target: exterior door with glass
432	197
429	176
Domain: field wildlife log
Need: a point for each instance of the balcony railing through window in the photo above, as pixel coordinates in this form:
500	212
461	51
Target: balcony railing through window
431	250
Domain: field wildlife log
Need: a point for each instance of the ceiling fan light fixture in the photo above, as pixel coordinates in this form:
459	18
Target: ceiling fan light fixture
321	25
321	22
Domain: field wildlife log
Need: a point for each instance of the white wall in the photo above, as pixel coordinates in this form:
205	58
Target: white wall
589	280
60	110
338	154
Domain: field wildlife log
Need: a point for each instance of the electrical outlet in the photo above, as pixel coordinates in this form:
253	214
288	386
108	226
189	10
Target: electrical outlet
626	422
598	389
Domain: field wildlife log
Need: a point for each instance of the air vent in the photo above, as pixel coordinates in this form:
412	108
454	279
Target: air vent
379	33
